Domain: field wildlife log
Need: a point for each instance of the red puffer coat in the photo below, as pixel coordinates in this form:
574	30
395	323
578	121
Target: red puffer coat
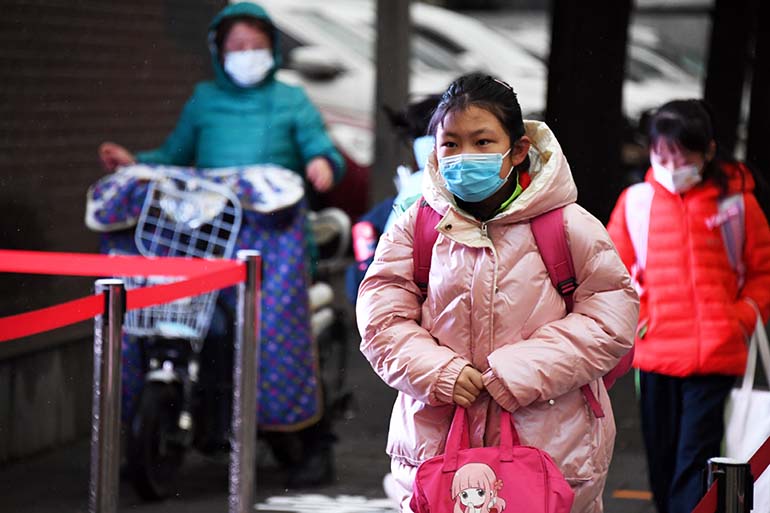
693	317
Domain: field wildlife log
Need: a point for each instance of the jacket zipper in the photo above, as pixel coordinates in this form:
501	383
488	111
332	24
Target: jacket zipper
692	279
485	234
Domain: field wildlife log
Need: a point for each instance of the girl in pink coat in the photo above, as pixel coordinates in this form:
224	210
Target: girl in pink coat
493	332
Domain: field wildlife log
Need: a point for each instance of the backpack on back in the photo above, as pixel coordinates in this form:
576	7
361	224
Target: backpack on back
548	229
729	218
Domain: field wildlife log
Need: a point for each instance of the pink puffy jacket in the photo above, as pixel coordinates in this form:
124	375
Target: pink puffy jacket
490	304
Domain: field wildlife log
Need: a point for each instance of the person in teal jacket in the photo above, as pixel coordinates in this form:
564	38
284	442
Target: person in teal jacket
246	116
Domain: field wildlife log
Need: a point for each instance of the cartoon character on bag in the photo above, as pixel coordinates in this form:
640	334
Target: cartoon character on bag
476	487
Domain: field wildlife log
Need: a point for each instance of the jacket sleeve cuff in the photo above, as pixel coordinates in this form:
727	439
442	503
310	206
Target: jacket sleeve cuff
445	384
147	156
499	393
337	171
747	316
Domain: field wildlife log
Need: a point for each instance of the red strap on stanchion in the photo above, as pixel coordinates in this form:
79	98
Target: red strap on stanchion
149	296
759	462
708	504
78	310
50	318
761	459
91	264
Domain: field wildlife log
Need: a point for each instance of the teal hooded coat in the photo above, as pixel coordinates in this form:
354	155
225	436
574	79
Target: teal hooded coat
224	124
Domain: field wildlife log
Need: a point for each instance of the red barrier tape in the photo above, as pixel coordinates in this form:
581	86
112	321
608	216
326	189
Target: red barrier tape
207	275
50	318
89	264
708	504
759	463
149	296
760	460
53	317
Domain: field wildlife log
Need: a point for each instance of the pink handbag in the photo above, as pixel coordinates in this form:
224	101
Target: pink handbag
509	477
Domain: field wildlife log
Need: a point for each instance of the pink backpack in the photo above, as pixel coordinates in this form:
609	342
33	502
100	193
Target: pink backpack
509	477
548	229
730	218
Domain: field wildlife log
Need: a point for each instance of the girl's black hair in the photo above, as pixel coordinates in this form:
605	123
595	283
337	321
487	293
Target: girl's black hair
412	121
227	23
485	92
690	124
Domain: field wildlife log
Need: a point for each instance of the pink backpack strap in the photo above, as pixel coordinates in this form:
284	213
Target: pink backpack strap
551	240
425	236
732	213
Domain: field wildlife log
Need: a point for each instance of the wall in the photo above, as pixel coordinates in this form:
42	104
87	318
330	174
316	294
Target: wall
45	399
74	74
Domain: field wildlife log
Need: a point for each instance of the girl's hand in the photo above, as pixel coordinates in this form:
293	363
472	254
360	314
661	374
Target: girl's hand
467	387
319	173
113	155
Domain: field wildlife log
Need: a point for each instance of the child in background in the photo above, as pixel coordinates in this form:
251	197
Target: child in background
411	125
696	309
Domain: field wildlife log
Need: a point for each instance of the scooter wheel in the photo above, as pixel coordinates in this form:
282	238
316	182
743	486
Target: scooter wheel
155	442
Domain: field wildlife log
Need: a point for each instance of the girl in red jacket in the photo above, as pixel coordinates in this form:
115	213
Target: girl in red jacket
697	307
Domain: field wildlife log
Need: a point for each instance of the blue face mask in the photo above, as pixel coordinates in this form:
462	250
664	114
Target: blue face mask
473	177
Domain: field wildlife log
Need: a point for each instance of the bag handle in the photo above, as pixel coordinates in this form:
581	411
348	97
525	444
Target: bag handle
458	438
759	343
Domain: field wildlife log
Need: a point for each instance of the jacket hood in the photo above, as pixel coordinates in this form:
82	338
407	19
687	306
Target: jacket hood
238	10
739	179
552	184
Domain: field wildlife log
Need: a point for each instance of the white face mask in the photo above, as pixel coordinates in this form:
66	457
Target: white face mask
249	67
678	180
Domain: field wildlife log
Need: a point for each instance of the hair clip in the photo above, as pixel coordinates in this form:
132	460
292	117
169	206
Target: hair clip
504	84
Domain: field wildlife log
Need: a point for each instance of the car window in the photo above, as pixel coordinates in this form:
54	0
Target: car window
638	70
438	39
689	61
426	53
343	35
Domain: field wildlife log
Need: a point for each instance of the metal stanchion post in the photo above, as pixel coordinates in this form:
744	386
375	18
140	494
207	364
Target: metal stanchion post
105	413
246	365
736	485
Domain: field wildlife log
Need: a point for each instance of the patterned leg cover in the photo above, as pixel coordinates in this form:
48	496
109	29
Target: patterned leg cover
289	379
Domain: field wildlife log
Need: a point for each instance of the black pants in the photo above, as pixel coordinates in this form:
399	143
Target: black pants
683	426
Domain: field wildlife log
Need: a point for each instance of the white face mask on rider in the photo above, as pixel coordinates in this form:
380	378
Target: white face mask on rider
677	180
249	67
